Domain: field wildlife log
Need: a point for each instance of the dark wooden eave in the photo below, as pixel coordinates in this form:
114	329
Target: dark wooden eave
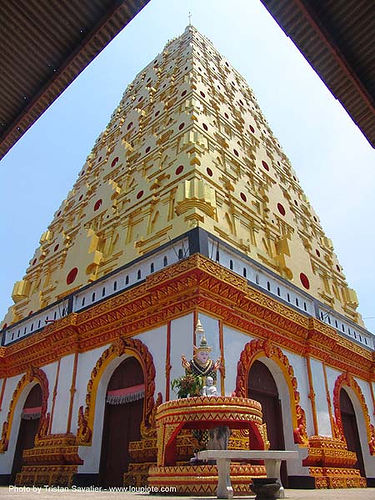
337	37
45	44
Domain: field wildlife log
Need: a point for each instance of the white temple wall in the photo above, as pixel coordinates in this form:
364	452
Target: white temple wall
91	454
369	460
156	342
50	371
294	468
234	343
181	343
86	362
62	402
10	387
332	376
182	329
300	372
365	388
6	459
322	413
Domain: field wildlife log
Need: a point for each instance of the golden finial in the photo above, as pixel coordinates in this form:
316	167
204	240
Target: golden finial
203	346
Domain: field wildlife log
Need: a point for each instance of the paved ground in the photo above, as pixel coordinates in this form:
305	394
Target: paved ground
30	493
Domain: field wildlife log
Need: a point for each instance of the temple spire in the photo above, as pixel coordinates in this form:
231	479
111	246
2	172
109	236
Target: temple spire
186	147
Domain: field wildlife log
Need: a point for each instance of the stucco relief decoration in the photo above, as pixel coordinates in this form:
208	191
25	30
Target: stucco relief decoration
254	350
346	379
149	431
32	374
121	346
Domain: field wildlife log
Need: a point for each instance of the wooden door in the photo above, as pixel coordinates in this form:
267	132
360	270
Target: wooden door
29	425
121	424
262	388
349	423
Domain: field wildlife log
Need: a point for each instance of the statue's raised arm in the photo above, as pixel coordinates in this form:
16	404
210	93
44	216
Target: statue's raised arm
185	363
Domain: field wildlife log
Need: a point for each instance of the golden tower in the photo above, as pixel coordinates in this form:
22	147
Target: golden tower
186	147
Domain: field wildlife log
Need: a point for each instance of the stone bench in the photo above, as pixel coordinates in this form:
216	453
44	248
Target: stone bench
272	461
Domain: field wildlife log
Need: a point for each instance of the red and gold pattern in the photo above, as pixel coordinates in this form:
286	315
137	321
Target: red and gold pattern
331	464
56	475
202	479
333	477
329	452
191	284
53	460
133	347
205	412
32	375
55	341
256	349
346	379
143	453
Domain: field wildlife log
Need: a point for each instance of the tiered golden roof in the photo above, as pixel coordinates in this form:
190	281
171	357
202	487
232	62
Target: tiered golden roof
187	146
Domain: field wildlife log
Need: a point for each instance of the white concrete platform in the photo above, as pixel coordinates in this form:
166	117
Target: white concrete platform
272	461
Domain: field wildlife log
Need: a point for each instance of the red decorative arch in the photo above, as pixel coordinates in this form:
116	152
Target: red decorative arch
346	379
256	349
135	348
32	374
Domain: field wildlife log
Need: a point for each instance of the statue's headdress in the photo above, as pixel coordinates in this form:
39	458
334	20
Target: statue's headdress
203	346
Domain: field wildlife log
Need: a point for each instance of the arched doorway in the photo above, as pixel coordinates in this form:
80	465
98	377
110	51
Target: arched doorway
122	419
30	419
349	423
262	388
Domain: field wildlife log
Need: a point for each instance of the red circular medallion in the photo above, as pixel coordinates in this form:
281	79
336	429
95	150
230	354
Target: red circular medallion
98	204
281	209
72	276
304	280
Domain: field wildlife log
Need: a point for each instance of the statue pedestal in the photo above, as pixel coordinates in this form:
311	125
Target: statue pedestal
205	412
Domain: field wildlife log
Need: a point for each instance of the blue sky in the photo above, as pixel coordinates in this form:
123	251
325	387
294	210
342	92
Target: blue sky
333	161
